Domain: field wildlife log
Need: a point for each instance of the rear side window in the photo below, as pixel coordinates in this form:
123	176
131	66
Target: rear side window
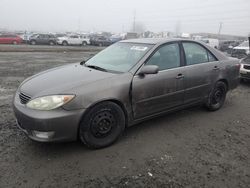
211	57
195	53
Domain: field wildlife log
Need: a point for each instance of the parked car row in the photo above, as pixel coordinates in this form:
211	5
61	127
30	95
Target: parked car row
60	39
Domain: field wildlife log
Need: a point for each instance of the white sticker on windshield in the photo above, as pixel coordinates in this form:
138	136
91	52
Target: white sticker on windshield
139	48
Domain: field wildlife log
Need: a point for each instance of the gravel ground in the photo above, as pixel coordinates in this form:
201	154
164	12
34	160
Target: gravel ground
190	148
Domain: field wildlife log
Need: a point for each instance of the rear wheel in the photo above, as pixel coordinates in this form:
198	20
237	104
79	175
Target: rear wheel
51	43
102	125
33	42
65	43
84	43
217	96
100	44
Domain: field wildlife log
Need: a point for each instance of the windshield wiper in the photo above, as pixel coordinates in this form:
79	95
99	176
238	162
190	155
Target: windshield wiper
96	67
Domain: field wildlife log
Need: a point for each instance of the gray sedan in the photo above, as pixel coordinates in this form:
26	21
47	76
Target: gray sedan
128	82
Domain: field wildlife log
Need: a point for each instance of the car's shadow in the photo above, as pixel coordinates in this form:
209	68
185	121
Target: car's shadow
167	121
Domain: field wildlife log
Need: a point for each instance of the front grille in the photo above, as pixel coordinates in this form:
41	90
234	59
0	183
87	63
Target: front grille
247	67
24	99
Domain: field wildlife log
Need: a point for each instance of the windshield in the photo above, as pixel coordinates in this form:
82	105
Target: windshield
120	57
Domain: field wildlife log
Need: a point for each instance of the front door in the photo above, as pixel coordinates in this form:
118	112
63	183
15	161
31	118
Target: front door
154	93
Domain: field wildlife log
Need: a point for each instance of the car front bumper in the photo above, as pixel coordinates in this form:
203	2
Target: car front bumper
48	126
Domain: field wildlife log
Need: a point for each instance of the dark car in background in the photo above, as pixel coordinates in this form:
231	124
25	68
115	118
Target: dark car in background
10	39
43	39
100	41
241	51
227	45
124	84
115	39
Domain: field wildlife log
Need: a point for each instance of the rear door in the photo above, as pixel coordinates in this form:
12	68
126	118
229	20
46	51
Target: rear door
3	39
202	70
40	39
74	39
46	39
154	93
79	40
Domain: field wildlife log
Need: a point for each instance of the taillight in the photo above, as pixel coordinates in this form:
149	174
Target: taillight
238	65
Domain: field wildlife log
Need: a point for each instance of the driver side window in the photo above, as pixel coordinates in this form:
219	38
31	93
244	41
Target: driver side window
166	57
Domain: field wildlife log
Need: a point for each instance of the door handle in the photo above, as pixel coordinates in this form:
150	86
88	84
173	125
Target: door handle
179	76
216	68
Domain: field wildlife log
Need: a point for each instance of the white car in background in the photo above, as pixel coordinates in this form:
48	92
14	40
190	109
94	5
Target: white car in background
245	68
241	51
73	40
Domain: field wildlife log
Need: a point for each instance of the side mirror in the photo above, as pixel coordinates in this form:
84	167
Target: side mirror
149	69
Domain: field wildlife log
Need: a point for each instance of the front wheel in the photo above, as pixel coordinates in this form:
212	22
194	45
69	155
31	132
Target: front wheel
217	96
33	42
102	125
65	43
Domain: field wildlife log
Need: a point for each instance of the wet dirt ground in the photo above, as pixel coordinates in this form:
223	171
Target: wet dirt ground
190	148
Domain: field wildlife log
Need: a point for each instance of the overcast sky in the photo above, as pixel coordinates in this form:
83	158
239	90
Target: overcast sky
117	16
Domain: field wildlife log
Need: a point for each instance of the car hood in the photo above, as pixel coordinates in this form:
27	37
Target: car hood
241	48
61	79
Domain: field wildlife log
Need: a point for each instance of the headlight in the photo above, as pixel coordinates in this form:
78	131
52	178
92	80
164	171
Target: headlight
49	102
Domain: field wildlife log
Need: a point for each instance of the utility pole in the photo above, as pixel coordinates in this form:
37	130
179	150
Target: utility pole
134	20
122	28
79	24
249	40
220	27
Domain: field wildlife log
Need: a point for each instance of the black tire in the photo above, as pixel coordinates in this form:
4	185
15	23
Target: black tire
102	125
33	42
51	43
84	43
65	43
100	44
217	96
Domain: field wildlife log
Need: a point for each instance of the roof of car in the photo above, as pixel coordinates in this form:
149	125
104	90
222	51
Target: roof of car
151	40
159	41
